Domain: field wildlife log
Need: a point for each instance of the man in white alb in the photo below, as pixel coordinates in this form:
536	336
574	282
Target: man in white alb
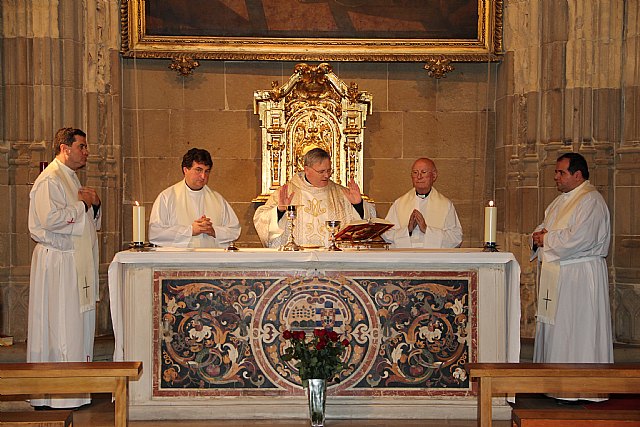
573	319
63	285
318	199
423	218
189	213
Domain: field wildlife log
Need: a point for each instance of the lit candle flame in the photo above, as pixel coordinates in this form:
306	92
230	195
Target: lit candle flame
490	202
138	204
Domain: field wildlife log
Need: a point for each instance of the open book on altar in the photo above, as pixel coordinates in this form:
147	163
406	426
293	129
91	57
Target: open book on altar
364	230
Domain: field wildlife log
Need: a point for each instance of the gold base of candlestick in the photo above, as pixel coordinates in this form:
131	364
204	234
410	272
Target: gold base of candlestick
490	247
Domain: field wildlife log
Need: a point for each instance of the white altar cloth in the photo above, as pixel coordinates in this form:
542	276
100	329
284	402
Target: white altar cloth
501	302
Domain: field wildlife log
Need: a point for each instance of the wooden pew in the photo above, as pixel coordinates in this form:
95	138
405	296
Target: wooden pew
575	418
58	418
72	378
496	379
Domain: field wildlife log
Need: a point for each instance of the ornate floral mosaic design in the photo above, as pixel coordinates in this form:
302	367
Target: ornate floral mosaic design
219	333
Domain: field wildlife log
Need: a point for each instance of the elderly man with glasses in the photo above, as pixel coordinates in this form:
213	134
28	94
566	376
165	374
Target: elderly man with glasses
423	217
189	213
318	199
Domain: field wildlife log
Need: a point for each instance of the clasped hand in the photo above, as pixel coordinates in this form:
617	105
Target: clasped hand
538	238
416	218
89	196
202	225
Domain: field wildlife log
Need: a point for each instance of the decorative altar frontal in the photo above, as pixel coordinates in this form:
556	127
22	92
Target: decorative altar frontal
208	325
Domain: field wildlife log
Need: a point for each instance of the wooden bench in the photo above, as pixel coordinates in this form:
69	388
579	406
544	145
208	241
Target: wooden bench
62	418
575	418
72	378
496	379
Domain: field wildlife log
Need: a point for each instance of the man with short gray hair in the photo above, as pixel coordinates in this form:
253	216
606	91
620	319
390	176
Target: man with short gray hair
318	199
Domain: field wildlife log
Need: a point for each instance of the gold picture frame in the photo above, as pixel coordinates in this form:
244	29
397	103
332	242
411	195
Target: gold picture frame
313	30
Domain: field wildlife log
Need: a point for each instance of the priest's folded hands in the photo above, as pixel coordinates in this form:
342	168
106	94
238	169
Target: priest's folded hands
203	225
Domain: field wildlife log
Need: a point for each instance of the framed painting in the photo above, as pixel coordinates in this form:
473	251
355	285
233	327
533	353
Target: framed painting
322	30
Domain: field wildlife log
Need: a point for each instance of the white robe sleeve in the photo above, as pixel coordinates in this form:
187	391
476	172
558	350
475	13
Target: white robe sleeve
448	237
369	210
52	213
163	227
229	230
398	236
577	240
270	230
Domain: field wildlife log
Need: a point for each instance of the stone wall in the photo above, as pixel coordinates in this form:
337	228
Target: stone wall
569	82
60	67
413	115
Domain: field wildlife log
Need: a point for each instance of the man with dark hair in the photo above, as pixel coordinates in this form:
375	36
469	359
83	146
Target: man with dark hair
318	199
573	318
189	213
63	285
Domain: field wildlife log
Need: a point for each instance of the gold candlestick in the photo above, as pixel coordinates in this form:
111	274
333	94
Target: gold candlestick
291	244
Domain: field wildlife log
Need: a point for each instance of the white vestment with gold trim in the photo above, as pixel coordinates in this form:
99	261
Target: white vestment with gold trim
316	205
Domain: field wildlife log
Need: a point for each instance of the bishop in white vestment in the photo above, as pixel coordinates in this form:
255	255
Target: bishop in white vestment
63	285
573	318
318	199
423	217
189	213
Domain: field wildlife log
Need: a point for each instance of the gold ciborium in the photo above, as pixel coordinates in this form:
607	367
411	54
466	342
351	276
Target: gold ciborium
333	226
291	244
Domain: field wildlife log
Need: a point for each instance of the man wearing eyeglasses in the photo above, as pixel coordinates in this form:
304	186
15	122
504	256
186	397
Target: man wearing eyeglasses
423	218
318	199
189	213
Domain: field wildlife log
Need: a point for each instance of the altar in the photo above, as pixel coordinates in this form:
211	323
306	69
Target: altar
207	325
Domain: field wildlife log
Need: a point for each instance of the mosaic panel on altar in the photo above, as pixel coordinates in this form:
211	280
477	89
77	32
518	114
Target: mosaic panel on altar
219	333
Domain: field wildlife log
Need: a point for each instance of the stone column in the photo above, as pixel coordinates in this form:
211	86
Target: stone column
60	67
569	73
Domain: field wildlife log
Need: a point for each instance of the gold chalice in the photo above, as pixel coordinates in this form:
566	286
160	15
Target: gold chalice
291	244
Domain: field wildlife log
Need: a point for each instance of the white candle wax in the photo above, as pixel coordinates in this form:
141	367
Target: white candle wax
490	223
138	223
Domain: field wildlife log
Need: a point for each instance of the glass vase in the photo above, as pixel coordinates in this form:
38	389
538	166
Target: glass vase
316	394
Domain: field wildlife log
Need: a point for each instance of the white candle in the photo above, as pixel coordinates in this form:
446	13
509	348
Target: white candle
490	222
138	223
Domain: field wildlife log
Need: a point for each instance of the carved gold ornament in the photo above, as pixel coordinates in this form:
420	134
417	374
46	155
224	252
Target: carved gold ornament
314	108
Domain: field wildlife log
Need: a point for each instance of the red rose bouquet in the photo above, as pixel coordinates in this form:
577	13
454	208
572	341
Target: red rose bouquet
320	357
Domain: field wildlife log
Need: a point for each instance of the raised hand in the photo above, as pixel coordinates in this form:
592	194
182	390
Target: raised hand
352	192
284	198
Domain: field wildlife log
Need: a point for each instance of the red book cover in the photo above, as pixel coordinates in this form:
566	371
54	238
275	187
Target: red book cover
362	231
